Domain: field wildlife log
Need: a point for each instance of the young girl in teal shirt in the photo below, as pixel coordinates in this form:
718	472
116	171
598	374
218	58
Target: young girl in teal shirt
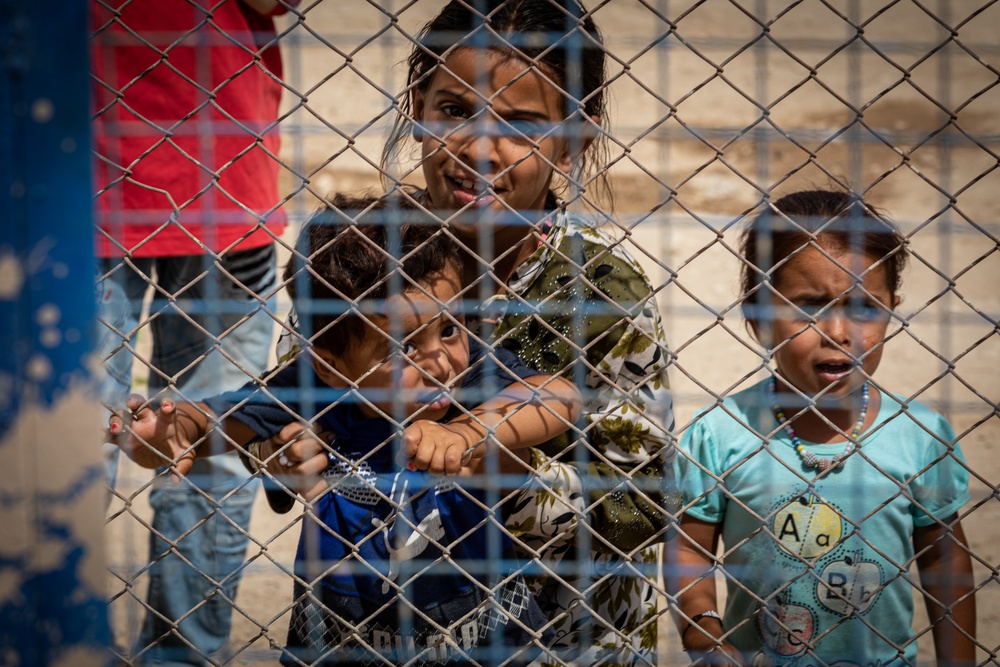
822	486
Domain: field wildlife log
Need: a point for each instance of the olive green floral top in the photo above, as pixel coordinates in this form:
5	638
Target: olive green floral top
597	509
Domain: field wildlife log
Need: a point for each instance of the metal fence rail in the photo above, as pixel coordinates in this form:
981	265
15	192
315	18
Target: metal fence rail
717	107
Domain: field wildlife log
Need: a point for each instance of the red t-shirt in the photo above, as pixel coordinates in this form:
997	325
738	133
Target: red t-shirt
178	171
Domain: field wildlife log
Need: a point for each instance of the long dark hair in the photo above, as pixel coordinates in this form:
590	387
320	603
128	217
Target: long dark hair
559	35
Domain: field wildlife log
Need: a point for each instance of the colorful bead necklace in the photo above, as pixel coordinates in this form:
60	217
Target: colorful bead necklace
808	458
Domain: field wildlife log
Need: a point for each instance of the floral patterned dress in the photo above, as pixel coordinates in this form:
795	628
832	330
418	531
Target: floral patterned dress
598	508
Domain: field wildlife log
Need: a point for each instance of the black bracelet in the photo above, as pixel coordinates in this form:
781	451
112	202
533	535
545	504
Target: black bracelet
697	617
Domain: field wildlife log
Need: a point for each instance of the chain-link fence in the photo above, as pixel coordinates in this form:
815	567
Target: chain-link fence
714	109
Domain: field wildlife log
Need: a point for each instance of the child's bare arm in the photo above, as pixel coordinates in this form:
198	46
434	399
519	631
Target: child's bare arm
171	434
688	571
946	576
524	414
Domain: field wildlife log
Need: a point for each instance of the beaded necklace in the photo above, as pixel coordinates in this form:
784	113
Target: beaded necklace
808	458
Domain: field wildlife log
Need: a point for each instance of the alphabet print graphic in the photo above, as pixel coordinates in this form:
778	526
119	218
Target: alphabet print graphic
807	527
786	628
849	585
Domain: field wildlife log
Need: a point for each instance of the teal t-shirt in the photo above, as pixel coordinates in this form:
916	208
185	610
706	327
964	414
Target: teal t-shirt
817	567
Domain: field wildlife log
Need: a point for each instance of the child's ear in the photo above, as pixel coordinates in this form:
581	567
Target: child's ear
417	106
750	320
577	145
326	365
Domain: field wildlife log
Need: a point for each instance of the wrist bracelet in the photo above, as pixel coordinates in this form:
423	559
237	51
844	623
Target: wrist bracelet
697	617
252	460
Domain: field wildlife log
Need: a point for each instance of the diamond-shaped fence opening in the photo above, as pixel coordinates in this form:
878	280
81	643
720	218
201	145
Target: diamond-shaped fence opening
221	130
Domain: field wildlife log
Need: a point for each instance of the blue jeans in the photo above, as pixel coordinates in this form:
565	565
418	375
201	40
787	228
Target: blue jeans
197	352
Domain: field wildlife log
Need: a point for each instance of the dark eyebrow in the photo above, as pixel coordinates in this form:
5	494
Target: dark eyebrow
813	300
463	94
854	295
471	99
809	297
444	310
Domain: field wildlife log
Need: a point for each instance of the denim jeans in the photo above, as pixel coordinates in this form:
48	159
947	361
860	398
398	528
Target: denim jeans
192	585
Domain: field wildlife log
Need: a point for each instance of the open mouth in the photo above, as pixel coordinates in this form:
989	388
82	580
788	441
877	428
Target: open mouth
835	371
439	400
468	191
469	186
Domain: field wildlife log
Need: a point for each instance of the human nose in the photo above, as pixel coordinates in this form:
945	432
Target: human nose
437	363
837	328
479	145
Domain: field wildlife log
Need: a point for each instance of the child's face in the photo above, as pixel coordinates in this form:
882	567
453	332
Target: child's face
495	120
409	358
851	320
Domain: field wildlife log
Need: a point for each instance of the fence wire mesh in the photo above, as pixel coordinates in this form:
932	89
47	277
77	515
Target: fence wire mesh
715	108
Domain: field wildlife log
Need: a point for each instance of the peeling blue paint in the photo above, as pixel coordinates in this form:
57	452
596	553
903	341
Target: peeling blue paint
47	309
46	258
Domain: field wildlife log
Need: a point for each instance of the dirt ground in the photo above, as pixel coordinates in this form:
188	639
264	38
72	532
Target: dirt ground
693	153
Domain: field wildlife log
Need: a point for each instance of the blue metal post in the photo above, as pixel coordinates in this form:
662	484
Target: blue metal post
52	572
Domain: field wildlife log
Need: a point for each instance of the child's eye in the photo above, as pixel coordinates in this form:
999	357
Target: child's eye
524	129
450	331
810	311
866	312
454	111
406	349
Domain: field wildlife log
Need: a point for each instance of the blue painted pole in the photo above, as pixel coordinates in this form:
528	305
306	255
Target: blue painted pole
52	572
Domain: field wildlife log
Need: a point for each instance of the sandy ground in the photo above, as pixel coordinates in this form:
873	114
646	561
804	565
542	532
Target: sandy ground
691	158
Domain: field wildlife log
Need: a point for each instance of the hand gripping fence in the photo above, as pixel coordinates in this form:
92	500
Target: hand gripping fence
717	109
